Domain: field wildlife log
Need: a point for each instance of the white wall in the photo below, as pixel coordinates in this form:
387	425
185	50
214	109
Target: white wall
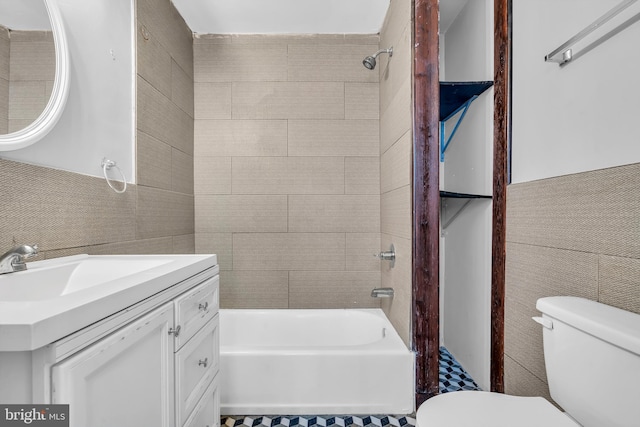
466	243
583	116
98	120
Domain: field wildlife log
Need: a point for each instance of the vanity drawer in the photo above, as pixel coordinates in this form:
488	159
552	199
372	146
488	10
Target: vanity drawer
207	412
196	364
195	308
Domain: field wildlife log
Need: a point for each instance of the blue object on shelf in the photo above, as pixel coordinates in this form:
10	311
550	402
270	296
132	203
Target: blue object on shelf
456	97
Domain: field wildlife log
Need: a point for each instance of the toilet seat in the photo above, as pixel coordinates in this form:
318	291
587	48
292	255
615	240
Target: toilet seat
485	409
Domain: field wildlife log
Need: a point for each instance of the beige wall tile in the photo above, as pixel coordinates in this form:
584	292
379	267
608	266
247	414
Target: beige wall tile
165	24
181	89
398	16
362	175
153	162
213	38
289	251
396	119
288	100
335	289
161	245
330	214
326	63
587	212
159	117
185	244
362	101
370	39
520	382
288	175
254	289
241	62
153	61
241	137
212	175
361	248
220	244
395	72
395	212
395	164
181	172
333	137
222	214
58	209
305	39
163	213
619	280
534	272
398	309
212	100
523	337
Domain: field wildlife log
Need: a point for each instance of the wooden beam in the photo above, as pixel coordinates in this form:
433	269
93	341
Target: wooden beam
426	198
501	84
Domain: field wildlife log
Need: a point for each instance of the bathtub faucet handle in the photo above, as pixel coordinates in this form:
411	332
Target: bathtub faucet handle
389	255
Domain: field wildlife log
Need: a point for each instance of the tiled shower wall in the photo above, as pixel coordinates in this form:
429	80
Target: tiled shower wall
287	170
395	161
573	235
68	213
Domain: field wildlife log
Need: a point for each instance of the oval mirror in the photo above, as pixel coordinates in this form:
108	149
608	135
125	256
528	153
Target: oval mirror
34	71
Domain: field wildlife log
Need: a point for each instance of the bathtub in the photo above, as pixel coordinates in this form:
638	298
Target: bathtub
295	362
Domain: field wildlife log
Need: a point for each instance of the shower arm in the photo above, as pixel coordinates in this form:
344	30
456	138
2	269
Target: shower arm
389	51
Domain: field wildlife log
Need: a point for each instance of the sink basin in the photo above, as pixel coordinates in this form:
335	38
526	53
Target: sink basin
44	282
55	298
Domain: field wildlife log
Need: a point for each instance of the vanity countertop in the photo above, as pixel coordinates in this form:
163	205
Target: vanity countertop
55	298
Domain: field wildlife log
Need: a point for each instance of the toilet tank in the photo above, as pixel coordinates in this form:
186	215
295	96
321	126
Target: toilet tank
592	357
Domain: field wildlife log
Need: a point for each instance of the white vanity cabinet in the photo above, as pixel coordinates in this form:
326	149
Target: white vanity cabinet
124	379
158	369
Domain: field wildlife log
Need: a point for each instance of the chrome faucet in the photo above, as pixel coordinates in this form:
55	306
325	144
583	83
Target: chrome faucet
382	293
14	259
389	255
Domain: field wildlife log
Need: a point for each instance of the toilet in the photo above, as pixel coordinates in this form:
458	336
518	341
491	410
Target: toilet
592	357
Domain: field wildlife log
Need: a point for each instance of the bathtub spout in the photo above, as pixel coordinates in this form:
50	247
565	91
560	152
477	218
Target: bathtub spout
382	293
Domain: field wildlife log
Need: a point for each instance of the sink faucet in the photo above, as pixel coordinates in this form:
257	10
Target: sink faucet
14	259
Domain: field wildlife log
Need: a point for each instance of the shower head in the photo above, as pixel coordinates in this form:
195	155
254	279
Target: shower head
370	61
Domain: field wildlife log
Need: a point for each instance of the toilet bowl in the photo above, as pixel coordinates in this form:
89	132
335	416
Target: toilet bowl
589	348
485	409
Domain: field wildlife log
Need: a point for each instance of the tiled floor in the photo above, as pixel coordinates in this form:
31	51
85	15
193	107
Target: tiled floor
319	421
452	378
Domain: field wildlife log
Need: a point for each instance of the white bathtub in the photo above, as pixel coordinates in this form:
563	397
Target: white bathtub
313	362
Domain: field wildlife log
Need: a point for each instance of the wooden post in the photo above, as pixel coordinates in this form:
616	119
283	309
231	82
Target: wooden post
426	198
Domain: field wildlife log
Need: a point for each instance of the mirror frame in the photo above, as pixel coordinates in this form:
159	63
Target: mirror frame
54	108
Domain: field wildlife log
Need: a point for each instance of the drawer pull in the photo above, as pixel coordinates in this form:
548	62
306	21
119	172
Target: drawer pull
204	362
175	332
203	307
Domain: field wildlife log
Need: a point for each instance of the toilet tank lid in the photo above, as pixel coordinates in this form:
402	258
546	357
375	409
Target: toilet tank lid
611	324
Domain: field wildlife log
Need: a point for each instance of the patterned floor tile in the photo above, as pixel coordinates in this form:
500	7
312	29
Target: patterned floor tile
453	377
